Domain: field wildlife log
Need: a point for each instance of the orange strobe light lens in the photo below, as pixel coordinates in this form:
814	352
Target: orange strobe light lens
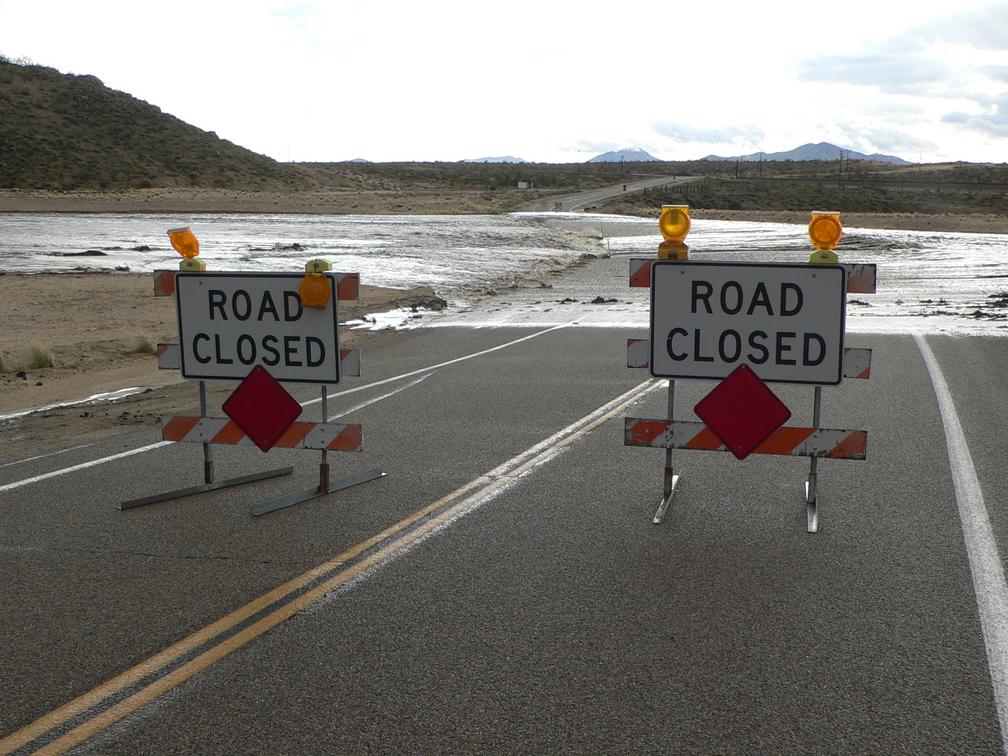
184	241
315	291
674	222
825	229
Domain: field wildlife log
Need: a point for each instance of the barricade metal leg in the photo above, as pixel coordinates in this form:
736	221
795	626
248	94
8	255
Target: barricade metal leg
324	465
671	479
324	486
133	503
208	473
811	511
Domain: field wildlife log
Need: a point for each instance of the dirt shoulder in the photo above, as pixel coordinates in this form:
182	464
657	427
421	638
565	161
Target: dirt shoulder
350	201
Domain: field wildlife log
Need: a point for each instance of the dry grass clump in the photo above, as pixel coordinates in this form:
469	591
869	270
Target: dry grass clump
39	357
35	358
143	345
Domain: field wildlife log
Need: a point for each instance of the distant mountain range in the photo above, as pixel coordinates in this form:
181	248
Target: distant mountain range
501	159
820	151
624	156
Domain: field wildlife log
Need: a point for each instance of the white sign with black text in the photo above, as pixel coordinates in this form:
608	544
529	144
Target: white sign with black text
230	322
786	321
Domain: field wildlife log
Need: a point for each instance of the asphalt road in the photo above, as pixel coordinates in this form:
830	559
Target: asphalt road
532	606
582	200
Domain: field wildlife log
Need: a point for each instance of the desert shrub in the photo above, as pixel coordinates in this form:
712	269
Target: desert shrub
143	345
39	357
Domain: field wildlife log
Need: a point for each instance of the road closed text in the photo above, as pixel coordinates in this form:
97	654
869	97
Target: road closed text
229	323
784	321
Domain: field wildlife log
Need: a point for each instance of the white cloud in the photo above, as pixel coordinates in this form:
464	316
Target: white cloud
992	119
895	74
728	134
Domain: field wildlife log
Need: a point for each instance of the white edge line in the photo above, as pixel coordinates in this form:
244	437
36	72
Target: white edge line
151	447
82	466
43	456
981	548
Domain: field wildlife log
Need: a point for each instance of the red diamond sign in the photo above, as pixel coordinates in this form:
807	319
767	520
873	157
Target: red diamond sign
262	408
742	411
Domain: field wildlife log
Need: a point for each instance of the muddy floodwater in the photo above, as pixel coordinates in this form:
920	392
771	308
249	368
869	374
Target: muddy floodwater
927	281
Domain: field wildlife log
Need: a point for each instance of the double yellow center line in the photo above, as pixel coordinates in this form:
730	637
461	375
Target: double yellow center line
114	699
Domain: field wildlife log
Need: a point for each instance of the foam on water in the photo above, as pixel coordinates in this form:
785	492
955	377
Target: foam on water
928	281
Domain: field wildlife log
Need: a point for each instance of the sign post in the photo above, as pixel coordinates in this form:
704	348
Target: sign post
674	225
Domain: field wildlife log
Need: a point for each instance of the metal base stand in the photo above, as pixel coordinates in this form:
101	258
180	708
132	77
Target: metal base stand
811	511
208	473
671	479
210	486
665	502
324	488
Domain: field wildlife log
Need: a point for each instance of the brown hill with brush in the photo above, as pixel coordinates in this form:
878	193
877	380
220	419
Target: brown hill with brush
62	131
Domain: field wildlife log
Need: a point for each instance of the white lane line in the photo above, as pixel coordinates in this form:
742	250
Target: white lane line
82	466
431	368
981	548
151	447
43	456
379	398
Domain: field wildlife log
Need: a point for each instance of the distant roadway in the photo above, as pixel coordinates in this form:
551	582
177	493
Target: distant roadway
581	200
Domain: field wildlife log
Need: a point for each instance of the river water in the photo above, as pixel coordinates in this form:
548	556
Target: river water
928	281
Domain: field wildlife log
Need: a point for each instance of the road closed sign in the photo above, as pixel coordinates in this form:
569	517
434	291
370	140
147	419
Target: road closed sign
230	322
786	321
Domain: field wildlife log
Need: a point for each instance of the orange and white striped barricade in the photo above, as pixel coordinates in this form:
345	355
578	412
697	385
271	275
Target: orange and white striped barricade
232	325
745	295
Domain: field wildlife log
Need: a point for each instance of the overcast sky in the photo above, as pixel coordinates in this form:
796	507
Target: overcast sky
546	81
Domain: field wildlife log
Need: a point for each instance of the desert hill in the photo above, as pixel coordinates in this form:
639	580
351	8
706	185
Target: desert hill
68	132
61	131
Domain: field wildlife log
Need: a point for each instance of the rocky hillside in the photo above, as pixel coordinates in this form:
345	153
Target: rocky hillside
62	131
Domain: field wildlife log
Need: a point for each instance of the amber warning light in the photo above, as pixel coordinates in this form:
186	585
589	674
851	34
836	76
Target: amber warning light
825	230
674	224
184	241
